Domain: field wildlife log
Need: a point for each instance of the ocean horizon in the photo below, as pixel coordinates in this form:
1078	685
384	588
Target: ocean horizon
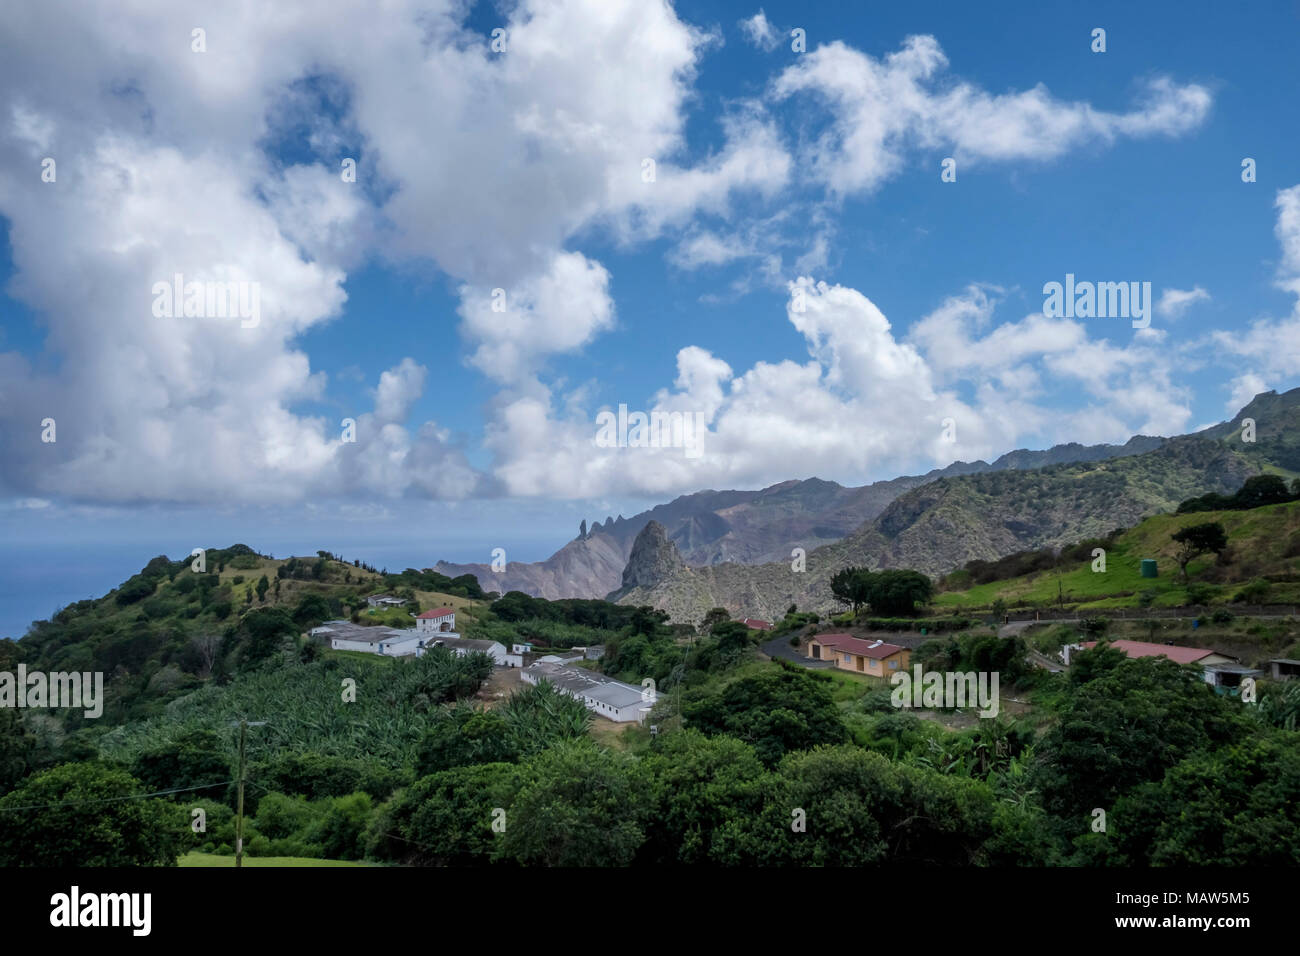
38	579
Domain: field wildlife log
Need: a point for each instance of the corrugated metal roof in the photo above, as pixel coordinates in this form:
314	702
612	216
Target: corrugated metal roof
585	683
1137	649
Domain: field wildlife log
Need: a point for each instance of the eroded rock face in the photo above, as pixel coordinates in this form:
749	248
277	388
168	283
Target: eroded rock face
653	559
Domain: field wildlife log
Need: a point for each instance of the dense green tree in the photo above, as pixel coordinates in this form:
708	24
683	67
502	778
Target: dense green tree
280	816
1126	726
1238	806
17	749
218	833
135	589
1088	665
732	637
700	786
463	735
852	586
581	805
842	806
266	629
312	610
898	591
647	621
1211	502
315	775
193	759
1261	490
86	814
714	616
1196	540
340	831
263	585
779	710
445	819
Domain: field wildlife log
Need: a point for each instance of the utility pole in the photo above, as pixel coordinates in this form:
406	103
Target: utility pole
239	817
239	814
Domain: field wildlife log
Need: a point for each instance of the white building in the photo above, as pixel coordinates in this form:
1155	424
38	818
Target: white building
404	646
395	642
346	636
460	645
602	695
436	620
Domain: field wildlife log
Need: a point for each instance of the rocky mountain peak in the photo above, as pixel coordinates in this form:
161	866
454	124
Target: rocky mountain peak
654	558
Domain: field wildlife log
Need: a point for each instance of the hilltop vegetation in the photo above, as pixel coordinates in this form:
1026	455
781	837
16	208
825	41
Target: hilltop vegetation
1260	565
170	628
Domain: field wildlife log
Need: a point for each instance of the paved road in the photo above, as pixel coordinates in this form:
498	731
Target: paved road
780	647
1019	627
1041	660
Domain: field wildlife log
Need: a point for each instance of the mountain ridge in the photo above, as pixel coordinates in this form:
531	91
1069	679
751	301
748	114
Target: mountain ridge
939	525
712	527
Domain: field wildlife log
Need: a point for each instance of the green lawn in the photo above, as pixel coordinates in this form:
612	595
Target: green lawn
849	686
355	655
195	858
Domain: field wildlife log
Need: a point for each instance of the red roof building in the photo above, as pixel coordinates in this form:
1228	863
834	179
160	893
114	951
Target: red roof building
876	650
439	619
1179	655
755	624
860	656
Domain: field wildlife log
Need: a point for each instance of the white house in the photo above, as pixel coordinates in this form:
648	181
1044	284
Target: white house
346	636
402	646
438	619
460	645
602	695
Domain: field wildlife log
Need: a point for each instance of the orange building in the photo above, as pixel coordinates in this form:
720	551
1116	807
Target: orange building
859	656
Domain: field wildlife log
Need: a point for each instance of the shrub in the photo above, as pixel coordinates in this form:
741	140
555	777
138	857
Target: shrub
1253	593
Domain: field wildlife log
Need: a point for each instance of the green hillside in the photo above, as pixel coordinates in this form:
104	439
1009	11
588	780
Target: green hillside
170	629
1261	565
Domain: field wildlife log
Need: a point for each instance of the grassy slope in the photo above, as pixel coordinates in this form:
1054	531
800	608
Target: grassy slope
1258	538
212	860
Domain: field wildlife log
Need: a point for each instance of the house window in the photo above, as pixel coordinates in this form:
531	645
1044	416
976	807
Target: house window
893	665
848	659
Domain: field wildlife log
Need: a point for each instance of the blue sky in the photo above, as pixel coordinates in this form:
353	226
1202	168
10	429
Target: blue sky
778	173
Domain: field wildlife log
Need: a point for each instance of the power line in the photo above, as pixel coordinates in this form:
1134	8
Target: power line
138	796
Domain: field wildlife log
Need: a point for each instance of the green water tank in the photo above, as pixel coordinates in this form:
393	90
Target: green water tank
1149	568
